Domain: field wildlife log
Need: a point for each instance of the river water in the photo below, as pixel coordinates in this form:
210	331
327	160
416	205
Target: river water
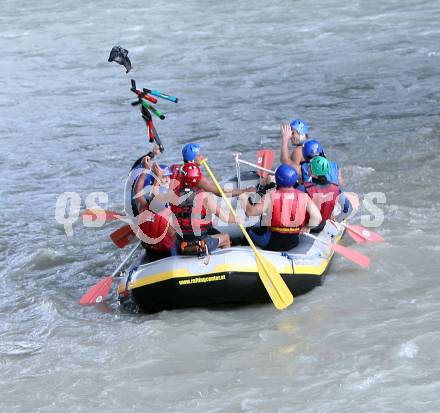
364	74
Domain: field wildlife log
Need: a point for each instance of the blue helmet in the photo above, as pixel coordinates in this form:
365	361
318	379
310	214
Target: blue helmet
300	126
190	151
166	170
312	148
286	176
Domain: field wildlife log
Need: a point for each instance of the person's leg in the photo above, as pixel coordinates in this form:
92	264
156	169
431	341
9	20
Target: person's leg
282	242
319	228
223	241
260	238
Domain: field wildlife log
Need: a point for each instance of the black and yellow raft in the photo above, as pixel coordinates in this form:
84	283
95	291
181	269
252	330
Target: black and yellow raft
229	276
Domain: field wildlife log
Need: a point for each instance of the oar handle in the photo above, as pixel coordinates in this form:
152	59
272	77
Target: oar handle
145	96
255	166
162	95
158	113
315	238
126	259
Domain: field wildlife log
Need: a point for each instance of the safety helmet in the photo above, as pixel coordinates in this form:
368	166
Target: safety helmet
300	126
285	176
190	151
191	174
312	148
166	170
319	166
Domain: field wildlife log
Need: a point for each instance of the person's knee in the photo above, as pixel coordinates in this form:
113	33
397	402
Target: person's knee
225	240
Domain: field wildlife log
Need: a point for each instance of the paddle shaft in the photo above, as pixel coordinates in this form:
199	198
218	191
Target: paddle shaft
273	284
255	166
126	259
316	238
243	229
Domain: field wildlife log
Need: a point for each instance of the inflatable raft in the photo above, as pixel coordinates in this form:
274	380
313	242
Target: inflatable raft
230	276
227	276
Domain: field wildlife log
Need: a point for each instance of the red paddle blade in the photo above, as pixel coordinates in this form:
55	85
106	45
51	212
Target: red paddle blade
265	158
364	233
355	236
352	255
94	214
98	292
122	236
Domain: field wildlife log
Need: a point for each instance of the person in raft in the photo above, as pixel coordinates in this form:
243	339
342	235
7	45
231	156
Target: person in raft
194	213
304	151
192	153
325	194
154	222
284	213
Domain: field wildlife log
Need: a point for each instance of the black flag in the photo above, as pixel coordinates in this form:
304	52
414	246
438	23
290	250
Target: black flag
120	55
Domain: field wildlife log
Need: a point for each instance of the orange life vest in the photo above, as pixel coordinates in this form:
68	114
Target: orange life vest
191	214
154	226
324	197
288	210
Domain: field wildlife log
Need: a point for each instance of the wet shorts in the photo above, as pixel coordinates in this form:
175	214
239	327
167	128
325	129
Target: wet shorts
212	243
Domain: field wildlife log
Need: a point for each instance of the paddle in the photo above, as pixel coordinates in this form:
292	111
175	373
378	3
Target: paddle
99	291
122	236
361	234
265	158
348	253
271	279
93	214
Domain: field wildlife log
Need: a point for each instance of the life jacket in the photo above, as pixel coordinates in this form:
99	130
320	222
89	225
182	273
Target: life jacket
323	196
305	171
154	226
333	173
191	214
332	176
288	210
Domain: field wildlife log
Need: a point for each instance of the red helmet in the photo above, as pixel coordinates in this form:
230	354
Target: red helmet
191	174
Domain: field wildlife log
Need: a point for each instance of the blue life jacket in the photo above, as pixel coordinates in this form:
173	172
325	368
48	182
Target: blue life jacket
332	176
333	173
305	172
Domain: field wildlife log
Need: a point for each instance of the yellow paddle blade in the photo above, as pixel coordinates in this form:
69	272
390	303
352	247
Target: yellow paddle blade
271	279
274	283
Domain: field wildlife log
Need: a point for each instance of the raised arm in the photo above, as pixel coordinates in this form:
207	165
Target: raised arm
140	200
293	159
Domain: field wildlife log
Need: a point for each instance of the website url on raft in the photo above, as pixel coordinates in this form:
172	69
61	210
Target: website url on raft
202	279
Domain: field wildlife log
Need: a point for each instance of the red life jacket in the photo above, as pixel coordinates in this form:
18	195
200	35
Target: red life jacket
324	197
191	214
288	210
154	226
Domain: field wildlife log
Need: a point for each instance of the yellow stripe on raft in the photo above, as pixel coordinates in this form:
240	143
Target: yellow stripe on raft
224	268
183	272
